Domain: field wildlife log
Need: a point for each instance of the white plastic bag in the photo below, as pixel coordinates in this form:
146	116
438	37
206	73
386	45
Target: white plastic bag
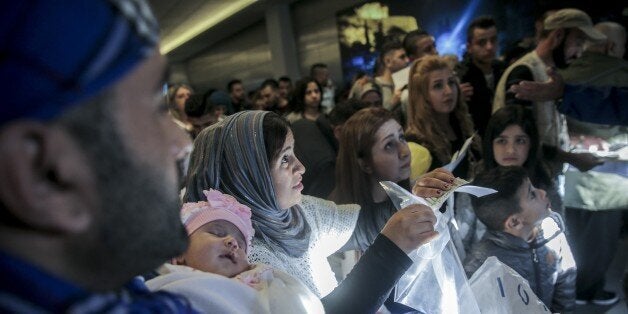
436	281
501	290
402	198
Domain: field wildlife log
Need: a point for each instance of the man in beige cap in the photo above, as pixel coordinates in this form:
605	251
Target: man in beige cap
561	41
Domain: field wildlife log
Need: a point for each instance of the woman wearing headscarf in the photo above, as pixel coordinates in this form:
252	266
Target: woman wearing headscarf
250	156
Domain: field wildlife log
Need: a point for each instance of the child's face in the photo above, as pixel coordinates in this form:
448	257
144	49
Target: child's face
534	204
217	247
220	111
511	147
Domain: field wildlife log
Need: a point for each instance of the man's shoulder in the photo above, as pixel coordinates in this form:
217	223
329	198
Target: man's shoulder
382	82
593	57
520	71
597	69
528	61
25	288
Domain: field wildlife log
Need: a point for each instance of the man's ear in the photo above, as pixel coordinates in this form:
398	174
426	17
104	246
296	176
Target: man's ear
47	184
610	48
558	37
387	60
337	132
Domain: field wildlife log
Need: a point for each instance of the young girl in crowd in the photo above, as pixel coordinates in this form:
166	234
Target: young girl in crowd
250	155
214	273
306	103
438	117
511	139
373	148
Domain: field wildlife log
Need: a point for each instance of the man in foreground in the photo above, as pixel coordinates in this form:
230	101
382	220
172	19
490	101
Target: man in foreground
88	194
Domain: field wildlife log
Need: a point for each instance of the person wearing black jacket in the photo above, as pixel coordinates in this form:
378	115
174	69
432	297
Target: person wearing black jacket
481	69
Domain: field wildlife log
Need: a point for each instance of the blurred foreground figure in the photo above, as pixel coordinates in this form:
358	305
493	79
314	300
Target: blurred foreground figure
88	195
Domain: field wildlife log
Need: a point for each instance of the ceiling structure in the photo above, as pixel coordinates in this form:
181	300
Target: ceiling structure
189	26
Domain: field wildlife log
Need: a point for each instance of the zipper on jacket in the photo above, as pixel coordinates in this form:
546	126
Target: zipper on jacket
537	274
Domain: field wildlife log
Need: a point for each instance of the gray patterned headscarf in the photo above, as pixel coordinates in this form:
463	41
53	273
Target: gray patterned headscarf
230	156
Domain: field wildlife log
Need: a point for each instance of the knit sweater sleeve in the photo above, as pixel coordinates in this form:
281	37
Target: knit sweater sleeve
370	281
262	254
331	224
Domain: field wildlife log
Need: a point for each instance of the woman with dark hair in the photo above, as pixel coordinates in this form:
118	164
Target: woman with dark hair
306	103
250	156
511	139
373	148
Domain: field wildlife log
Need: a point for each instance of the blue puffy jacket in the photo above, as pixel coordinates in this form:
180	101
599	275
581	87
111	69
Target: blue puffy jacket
547	262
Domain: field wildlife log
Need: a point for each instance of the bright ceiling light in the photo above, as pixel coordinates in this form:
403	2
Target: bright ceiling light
206	21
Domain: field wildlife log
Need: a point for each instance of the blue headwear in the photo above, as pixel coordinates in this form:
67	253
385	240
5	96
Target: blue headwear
53	55
221	98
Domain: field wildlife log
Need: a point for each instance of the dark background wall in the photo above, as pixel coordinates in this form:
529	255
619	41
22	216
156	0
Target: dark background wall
246	54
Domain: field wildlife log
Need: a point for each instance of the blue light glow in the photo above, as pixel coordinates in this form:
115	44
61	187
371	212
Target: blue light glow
357	61
454	42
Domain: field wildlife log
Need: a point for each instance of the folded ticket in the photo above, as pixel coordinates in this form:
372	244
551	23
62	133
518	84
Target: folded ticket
459	155
406	198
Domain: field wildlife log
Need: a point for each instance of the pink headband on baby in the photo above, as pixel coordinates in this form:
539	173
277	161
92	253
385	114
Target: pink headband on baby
219	206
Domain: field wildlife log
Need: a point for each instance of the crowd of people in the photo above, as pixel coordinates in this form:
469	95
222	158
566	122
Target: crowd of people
283	211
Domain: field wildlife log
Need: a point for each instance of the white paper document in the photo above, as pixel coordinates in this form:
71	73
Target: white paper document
401	77
460	185
457	157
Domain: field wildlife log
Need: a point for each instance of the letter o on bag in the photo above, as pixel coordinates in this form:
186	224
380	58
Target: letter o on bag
523	295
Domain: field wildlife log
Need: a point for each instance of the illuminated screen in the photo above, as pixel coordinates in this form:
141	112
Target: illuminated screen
363	28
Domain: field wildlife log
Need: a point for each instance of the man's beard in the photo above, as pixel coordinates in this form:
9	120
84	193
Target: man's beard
558	54
137	226
141	219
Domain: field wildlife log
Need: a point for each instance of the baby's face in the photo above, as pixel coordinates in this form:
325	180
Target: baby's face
217	247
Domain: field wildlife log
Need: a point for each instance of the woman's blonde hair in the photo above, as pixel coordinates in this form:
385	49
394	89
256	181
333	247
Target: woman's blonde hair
422	125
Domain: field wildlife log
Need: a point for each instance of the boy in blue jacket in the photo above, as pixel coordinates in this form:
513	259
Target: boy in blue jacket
523	233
